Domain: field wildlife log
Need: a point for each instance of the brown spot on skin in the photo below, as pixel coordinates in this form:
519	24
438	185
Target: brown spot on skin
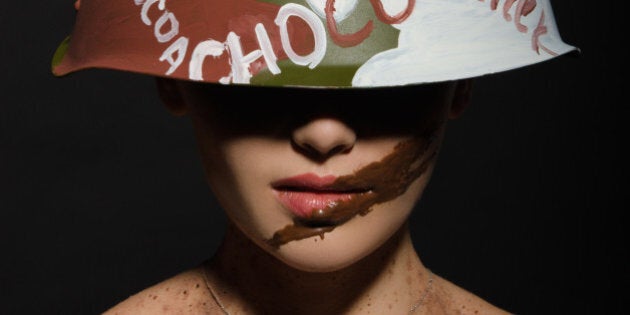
155	297
197	286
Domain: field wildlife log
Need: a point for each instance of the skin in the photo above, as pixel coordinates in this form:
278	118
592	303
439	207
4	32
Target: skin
250	137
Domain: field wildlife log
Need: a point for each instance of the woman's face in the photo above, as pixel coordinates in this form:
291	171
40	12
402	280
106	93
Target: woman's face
318	178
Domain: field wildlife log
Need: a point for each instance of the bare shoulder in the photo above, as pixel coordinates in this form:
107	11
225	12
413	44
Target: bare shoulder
456	300
184	293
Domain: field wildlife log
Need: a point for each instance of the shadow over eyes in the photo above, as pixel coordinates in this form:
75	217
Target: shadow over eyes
240	110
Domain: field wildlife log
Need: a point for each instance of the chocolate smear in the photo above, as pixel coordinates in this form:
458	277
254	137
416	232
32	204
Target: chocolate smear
386	180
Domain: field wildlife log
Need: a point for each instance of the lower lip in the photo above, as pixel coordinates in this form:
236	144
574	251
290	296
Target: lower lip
303	204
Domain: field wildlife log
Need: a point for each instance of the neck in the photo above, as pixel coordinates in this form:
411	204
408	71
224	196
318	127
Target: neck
249	280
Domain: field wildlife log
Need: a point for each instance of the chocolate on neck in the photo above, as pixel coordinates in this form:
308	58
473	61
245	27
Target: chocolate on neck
394	174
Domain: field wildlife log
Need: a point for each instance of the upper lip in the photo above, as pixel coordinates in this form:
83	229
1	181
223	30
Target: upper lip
314	183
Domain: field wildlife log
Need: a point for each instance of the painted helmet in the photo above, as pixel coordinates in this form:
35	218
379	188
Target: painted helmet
311	43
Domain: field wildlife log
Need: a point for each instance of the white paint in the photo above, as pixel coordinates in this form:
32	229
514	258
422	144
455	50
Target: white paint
441	40
179	47
343	8
174	30
317	27
202	50
144	13
393	7
449	39
240	64
266	48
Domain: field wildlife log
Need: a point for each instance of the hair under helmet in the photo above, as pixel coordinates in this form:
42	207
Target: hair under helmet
311	43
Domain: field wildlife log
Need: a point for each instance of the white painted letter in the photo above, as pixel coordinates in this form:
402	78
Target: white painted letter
267	49
180	46
240	63
317	27
166	17
144	14
206	48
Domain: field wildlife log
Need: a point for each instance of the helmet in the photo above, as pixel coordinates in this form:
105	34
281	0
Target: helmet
311	43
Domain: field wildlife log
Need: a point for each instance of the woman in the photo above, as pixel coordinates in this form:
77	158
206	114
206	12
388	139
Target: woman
317	183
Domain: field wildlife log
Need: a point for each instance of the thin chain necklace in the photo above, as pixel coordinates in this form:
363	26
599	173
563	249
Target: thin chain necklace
424	295
418	303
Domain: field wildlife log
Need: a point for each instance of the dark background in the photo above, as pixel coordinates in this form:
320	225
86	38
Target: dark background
102	194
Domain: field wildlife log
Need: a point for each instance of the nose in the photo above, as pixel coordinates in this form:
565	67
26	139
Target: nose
322	138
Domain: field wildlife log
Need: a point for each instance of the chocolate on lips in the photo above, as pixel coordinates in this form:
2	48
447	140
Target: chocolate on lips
392	175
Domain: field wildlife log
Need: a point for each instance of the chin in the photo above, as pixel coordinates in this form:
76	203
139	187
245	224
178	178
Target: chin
340	248
318	257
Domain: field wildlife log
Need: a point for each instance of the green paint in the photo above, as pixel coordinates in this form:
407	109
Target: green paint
60	53
339	64
294	75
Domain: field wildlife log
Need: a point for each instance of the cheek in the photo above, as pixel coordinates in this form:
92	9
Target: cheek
247	156
387	217
248	200
224	167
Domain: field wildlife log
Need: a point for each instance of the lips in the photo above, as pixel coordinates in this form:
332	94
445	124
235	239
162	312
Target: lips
309	196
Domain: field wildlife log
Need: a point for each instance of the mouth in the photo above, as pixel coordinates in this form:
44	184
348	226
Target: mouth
313	199
321	204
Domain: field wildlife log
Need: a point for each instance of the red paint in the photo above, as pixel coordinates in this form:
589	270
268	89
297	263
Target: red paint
389	19
345	40
493	4
349	40
506	7
112	35
540	30
524	8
